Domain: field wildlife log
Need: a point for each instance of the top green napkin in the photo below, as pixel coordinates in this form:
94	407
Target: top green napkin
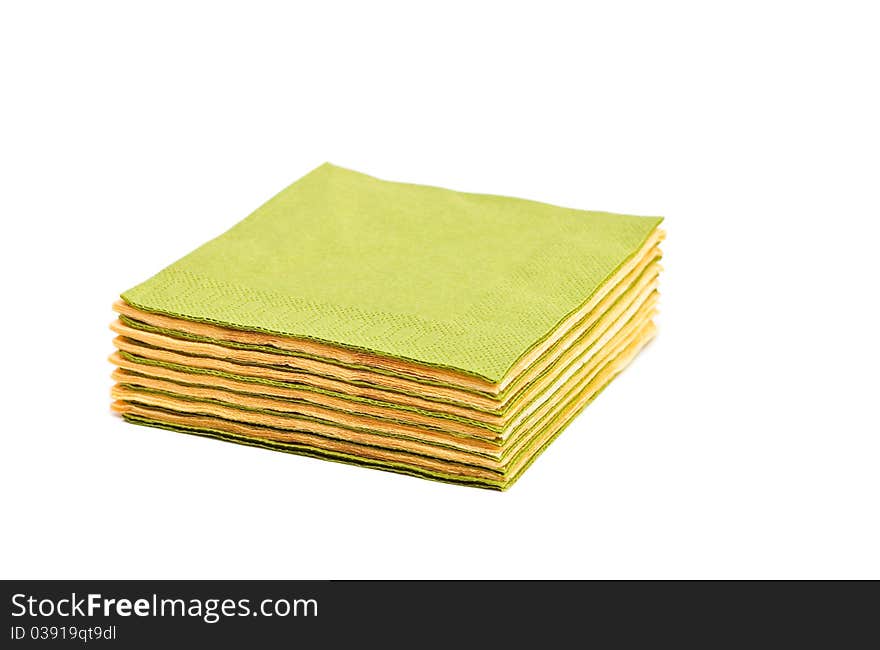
463	281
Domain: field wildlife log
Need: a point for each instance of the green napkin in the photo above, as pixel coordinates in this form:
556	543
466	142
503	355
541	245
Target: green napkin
469	282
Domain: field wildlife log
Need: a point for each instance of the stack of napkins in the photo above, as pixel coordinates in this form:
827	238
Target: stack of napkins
409	328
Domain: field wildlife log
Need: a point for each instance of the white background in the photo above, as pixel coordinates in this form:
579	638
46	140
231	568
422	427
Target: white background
742	443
